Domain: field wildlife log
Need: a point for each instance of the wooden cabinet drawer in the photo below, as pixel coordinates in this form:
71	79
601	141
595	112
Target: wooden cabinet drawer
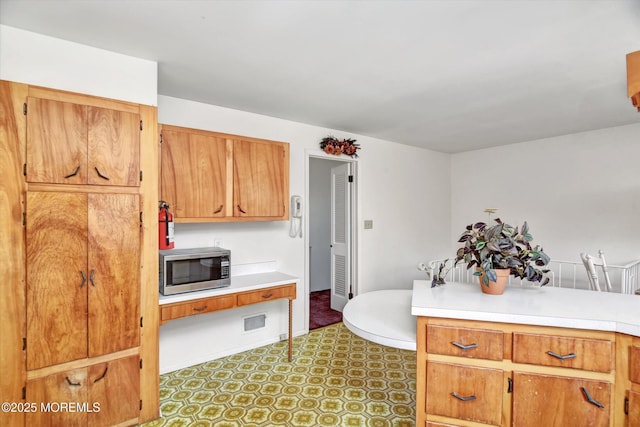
568	352
465	393
268	294
634	364
465	342
545	400
177	310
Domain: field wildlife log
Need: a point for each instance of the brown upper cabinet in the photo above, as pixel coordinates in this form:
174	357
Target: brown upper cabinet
214	177
70	143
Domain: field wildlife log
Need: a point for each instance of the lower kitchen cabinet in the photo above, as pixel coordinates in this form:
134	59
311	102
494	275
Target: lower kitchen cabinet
475	373
102	394
547	400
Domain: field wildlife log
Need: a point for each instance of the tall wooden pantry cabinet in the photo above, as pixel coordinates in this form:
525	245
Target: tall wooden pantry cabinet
78	221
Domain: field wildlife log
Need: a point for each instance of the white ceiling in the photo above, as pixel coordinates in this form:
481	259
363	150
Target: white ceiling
450	75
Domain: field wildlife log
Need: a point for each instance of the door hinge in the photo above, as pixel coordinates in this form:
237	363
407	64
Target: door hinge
24	343
160	137
24	108
24	219
140	363
140	217
24	169
141	404
140	124
24	392
350	178
140	176
510	386
141	317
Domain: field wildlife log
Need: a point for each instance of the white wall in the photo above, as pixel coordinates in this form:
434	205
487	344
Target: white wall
32	58
395	187
578	192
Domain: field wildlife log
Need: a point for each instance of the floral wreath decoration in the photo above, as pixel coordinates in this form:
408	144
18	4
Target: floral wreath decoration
332	145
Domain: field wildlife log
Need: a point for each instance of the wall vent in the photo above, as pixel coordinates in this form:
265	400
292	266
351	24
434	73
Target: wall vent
254	322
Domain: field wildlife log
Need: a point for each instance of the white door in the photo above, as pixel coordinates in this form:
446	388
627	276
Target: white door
340	235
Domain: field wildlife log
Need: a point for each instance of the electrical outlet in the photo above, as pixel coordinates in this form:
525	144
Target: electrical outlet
283	337
217	243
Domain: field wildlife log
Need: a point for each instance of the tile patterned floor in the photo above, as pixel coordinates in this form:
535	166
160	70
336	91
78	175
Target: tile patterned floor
335	379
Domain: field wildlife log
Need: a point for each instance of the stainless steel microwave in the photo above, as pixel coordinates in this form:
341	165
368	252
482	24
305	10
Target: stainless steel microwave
186	270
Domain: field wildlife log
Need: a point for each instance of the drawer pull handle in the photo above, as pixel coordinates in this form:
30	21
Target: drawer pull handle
269	295
464	347
200	308
74	173
219	209
590	399
100	174
241	210
71	382
104	374
560	356
463	398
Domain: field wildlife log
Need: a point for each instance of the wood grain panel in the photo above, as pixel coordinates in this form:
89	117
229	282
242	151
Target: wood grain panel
634	409
260	179
56	142
12	248
113	147
68	386
115	385
533	349
267	294
194	175
114	264
482	343
545	400
56	292
484	384
207	305
634	364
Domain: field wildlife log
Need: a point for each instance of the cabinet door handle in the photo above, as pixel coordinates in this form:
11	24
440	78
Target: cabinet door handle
590	399
71	382
561	356
91	278
100	174
218	210
463	398
200	308
84	278
464	347
269	295
241	210
74	173
101	376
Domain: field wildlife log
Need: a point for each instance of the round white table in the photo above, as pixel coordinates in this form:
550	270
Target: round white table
383	317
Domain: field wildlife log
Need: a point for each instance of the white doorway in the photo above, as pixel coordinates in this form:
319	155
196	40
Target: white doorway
330	258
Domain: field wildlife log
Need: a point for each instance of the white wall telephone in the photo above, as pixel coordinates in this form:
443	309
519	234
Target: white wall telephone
296	217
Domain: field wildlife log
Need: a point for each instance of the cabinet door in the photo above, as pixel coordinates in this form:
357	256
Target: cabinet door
114	272
544	400
465	393
634	409
113	147
56	142
115	386
56	242
49	392
194	173
260	179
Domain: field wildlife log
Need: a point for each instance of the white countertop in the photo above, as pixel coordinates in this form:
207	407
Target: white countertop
383	317
544	306
247	282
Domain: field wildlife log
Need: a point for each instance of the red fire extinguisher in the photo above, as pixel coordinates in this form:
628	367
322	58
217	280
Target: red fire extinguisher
165	226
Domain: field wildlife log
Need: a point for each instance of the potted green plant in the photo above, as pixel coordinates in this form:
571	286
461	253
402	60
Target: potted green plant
502	248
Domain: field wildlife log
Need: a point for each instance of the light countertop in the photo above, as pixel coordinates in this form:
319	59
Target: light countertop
247	282
543	306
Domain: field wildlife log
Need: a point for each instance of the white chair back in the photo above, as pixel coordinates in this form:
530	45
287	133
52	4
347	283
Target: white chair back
591	263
